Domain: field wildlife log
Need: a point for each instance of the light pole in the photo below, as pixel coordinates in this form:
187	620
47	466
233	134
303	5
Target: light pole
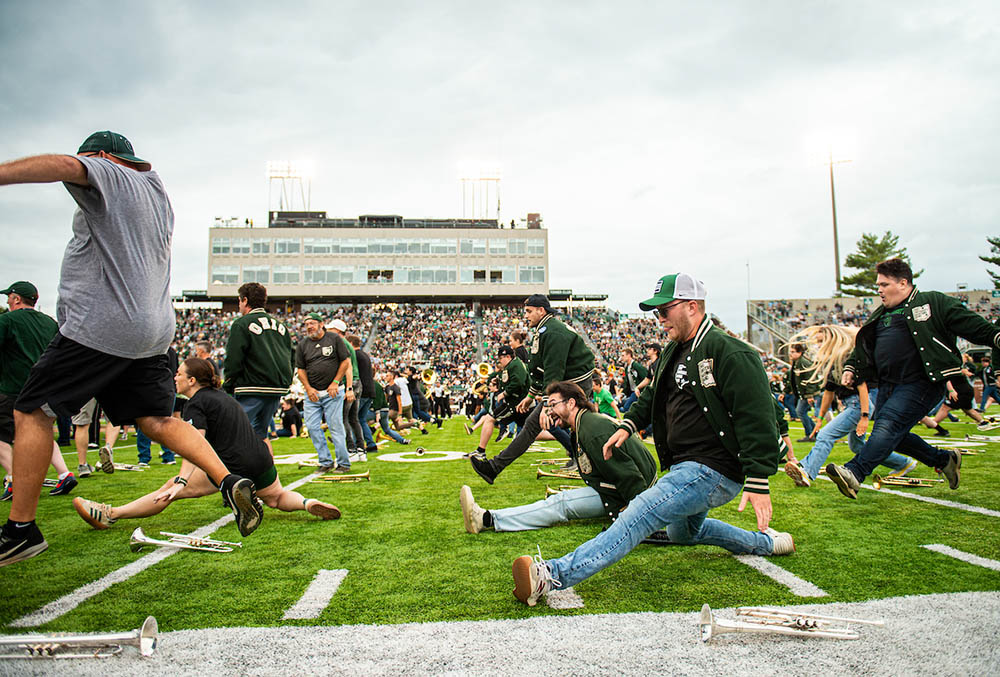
836	239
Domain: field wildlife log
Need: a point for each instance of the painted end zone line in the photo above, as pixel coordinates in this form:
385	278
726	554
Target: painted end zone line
317	595
796	585
67	603
964	556
928	499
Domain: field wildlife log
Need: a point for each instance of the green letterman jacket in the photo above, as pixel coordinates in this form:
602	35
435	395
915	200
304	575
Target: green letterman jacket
935	320
258	356
514	382
557	354
630	471
729	383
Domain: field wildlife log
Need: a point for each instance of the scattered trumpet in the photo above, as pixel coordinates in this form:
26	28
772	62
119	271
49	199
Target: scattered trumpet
140	540
982	438
778	622
551	461
122	466
561	474
421	451
362	477
968	452
878	482
549	491
99	646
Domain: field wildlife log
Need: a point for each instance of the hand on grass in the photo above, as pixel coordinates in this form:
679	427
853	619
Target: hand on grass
761	506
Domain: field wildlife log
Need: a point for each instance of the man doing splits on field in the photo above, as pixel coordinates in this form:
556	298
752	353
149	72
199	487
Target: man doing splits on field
909	343
714	425
611	483
224	423
557	354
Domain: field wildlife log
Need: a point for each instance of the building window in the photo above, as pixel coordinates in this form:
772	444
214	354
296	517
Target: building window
444	246
473	247
315	245
241	245
261	246
225	274
502	274
473	275
260	274
531	274
286	275
517	247
498	247
220	245
328	274
536	247
287	246
375	276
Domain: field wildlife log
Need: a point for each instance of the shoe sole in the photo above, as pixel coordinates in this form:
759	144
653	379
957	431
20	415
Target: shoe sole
958	470
85	514
63	490
107	460
795	473
489	480
522	580
841	483
323	510
246	508
904	472
467	501
27	553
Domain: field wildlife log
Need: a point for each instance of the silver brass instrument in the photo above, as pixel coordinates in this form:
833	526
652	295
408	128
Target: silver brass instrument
140	540
122	466
778	622
982	438
362	477
421	451
551	461
308	464
561	474
878	482
99	646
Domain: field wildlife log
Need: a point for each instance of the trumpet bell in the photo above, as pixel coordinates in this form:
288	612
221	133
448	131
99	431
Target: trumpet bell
484	369
99	646
428	376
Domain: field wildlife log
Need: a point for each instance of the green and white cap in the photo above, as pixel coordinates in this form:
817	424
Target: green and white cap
676	287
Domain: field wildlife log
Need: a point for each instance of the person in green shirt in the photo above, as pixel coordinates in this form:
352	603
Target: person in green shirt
603	399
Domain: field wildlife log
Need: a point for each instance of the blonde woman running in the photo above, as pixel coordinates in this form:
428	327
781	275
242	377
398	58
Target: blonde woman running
830	345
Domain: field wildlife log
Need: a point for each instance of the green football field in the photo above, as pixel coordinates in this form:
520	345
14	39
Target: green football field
408	558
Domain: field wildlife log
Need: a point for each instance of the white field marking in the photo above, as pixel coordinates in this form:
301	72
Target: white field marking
796	585
293	459
318	595
428	457
70	601
928	499
964	556
94	451
564	599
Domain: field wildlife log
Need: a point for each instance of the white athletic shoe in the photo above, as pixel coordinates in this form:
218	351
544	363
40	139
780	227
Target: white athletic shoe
782	542
471	511
797	474
532	578
903	472
107	457
97	515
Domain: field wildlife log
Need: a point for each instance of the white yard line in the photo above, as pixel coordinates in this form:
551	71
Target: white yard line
964	556
564	599
68	602
929	499
318	595
94	451
796	585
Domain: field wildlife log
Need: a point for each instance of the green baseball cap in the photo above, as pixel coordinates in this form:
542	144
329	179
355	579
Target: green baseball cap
679	286
115	144
22	288
315	316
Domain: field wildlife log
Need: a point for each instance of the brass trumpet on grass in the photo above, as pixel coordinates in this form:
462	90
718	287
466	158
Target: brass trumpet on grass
878	481
362	477
99	646
561	474
551	461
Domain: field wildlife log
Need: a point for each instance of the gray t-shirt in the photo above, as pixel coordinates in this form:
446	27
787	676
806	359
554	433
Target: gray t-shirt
114	285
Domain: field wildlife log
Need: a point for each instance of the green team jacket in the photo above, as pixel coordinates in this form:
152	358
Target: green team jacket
803	370
729	383
557	354
379	402
630	471
514	382
258	356
935	320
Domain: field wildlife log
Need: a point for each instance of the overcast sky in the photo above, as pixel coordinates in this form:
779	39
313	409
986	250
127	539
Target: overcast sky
652	137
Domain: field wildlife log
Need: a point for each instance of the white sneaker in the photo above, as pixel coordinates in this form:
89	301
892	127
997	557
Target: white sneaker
97	515
903	472
471	511
782	543
844	479
532	579
797	474
358	457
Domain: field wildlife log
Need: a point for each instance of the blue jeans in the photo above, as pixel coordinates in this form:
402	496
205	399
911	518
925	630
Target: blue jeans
802	410
899	408
332	409
679	501
790	403
419	413
628	402
571	504
260	410
988	392
364	406
384	423
144	445
845	423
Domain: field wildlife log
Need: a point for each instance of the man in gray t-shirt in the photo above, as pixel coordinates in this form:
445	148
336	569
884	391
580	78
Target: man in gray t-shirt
115	324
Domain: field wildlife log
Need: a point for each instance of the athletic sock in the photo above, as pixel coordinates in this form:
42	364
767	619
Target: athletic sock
487	520
480	450
17	529
64	475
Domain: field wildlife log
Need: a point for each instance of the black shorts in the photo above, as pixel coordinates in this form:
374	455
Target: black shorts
6	419
965	395
68	374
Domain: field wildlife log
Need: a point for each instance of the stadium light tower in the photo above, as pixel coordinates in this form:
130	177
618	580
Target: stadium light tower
291	177
476	184
836	238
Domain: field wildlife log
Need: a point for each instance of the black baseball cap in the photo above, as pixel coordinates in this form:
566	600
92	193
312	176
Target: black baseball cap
505	350
115	144
538	301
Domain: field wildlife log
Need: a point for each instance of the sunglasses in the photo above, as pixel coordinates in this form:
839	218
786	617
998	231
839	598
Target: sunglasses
662	312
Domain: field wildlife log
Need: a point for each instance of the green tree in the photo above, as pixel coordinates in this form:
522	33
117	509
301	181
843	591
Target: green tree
993	260
871	250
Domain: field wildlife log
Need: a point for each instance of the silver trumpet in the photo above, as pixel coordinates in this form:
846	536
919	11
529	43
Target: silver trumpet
778	622
122	466
550	461
140	540
98	646
366	476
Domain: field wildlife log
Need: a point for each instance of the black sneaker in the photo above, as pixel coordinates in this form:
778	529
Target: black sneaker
13	549
504	432
423	431
8	491
483	468
438	422
241	497
65	486
952	470
941	432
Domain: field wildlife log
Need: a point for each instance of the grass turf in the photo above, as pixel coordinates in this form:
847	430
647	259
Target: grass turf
403	541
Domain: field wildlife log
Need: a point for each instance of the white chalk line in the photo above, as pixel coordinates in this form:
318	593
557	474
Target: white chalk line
94	451
318	595
564	599
929	499
964	556
796	585
70	601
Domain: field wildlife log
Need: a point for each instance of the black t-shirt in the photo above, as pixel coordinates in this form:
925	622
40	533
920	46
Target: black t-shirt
321	359
896	357
393	396
290	418
365	373
228	430
522	354
690	436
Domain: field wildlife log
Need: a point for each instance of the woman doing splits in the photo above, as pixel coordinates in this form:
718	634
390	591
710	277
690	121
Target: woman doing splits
224	424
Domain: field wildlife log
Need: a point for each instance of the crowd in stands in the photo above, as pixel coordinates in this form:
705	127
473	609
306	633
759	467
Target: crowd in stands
498	324
441	337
